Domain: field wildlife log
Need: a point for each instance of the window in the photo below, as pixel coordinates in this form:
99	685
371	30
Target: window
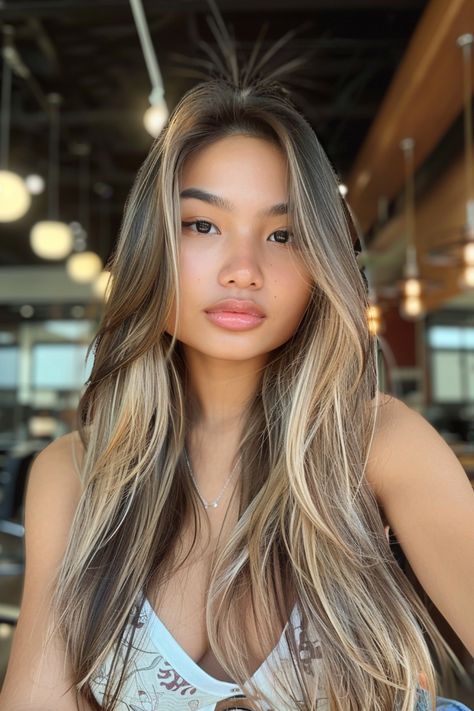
8	367
451	351
60	366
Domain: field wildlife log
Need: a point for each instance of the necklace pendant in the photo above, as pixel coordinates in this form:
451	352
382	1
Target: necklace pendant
214	504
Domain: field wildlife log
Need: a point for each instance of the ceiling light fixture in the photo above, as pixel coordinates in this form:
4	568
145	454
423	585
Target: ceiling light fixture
15	199
413	287
156	115
51	238
83	265
35	184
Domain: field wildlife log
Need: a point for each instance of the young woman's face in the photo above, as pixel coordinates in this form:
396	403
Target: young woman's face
235	248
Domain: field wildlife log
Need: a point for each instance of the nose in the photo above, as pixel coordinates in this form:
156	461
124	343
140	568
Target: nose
241	265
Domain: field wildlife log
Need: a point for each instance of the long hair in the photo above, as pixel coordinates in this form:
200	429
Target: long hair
309	527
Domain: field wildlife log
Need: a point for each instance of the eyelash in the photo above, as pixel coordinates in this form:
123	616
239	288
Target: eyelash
206	222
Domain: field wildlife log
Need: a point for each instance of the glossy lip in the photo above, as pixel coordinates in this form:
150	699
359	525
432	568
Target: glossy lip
234	321
240	306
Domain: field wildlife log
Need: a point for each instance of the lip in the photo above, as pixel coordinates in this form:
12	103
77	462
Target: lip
239	306
234	321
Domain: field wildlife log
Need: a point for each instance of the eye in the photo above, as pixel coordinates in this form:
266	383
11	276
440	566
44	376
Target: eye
280	236
202	226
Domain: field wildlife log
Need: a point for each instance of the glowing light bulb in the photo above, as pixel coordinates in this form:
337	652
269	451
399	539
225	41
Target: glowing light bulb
155	117
15	199
51	239
411	307
468	254
83	266
466	279
35	184
412	287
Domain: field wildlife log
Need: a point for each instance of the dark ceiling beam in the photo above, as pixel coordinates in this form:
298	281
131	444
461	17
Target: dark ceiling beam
35	26
348	44
17	9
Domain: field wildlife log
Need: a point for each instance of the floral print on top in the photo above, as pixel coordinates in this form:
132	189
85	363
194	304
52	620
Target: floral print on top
164	677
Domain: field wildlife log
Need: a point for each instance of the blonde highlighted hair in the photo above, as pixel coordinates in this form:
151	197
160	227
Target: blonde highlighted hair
309	528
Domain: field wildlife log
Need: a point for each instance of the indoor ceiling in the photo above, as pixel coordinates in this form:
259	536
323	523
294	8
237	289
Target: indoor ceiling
88	51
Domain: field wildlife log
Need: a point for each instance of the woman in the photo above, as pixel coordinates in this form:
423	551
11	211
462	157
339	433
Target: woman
228	547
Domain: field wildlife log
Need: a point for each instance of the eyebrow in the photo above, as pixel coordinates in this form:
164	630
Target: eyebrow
280	208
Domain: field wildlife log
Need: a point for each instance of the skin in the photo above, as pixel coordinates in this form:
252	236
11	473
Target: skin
236	256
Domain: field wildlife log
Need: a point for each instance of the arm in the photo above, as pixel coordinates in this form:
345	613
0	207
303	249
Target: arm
429	504
32	683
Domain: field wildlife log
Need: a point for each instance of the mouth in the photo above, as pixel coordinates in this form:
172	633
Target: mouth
233	311
240	306
234	320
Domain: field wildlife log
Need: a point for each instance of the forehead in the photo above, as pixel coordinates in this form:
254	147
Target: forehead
237	167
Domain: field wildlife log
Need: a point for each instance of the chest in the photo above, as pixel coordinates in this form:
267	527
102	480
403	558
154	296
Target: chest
180	603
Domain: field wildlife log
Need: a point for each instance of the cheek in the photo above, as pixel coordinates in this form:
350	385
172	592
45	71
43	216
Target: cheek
192	277
292	289
298	306
194	268
169	325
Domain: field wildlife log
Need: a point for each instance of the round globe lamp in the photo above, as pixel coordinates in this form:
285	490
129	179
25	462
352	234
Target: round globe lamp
51	239
84	267
15	199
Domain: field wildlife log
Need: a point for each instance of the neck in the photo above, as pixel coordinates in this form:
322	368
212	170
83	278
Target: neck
212	459
221	390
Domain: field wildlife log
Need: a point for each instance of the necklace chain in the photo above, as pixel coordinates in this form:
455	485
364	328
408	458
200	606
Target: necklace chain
207	504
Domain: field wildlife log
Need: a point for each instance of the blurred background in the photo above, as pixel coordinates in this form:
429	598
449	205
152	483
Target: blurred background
87	85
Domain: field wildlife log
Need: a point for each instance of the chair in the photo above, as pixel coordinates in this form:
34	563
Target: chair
13	478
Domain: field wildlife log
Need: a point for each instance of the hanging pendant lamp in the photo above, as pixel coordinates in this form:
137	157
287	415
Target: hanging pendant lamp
102	284
15	199
374	312
83	265
460	252
156	115
412	287
51	238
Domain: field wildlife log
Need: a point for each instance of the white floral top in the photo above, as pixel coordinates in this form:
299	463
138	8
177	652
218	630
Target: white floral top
165	678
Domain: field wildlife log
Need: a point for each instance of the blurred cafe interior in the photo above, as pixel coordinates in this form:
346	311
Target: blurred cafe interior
389	92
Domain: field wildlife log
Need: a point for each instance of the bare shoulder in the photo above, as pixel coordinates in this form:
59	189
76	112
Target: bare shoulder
66	442
428	501
56	468
405	444
391	417
55	472
39	675
388	406
397	424
60	461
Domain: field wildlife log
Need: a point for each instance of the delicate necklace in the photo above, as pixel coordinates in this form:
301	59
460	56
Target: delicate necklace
214	503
